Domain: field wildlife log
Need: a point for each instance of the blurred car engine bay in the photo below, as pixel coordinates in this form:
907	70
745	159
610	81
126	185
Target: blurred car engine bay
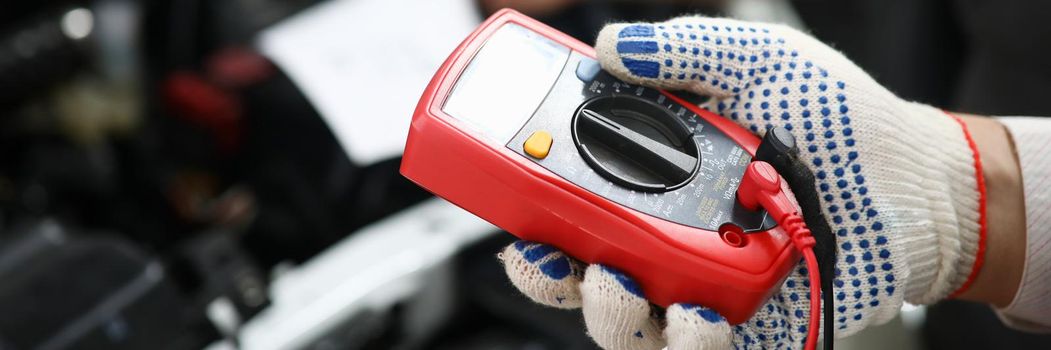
186	174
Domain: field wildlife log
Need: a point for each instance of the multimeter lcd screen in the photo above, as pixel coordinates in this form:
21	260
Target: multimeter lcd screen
506	81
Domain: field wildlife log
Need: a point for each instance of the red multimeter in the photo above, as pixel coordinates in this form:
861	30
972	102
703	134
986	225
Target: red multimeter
521	127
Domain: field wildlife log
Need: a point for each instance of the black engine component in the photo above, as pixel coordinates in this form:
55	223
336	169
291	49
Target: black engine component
64	291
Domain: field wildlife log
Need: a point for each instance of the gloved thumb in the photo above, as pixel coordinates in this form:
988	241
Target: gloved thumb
709	56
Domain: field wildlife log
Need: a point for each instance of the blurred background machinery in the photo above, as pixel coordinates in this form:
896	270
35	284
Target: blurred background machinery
183	174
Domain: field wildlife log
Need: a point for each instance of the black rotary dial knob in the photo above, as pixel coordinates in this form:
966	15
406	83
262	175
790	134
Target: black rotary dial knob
636	143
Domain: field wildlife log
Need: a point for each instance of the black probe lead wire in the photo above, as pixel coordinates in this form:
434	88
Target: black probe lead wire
778	148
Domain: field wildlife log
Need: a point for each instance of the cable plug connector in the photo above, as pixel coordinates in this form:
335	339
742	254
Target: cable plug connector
761	187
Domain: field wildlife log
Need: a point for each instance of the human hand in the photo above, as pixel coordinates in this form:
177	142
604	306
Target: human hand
898	182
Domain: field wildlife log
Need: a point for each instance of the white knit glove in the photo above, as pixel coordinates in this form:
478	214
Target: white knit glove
898	180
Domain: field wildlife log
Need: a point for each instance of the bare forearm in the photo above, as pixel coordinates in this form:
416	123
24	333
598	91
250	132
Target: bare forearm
998	278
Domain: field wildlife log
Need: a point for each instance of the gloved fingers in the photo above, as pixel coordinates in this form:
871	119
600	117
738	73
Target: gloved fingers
696	327
617	315
709	56
543	273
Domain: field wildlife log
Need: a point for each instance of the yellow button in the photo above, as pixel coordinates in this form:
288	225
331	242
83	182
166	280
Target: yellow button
538	144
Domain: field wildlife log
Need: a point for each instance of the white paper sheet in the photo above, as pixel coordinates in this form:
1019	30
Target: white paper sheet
364	63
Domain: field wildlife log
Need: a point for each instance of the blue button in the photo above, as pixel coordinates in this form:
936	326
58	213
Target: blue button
587	69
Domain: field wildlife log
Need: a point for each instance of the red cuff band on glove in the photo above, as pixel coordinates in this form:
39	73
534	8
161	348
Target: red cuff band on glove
979	257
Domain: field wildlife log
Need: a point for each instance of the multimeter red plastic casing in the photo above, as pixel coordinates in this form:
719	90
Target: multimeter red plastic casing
672	262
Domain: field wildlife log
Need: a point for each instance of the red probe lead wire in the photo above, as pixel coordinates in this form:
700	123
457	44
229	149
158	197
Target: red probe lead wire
815	299
804	242
761	187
